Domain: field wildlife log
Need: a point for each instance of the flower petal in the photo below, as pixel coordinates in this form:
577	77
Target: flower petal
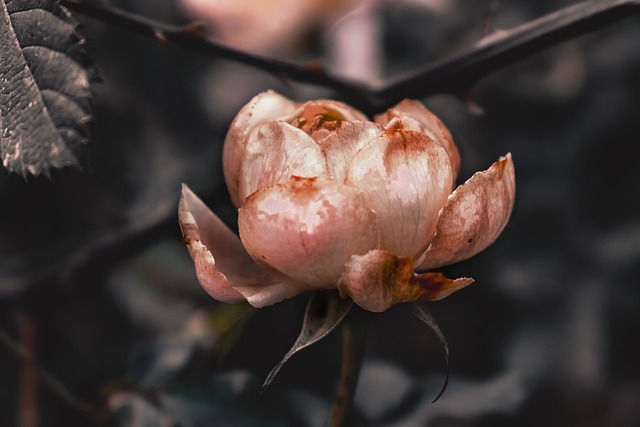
378	279
475	215
320	118
264	106
274	152
414	116
223	267
308	228
406	178
341	146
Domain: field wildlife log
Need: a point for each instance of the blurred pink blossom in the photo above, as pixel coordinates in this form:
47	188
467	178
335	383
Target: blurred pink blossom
266	25
328	199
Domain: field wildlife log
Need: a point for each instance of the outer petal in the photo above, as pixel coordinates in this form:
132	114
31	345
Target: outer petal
265	106
475	215
319	118
223	267
342	145
406	178
377	280
274	152
308	228
414	116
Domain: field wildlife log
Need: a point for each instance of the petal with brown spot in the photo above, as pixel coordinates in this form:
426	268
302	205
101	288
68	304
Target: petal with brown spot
341	146
406	178
265	106
274	152
412	115
308	228
223	267
377	280
474	217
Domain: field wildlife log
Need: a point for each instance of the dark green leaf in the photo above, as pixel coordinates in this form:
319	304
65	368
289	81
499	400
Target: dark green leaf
44	86
421	312
324	312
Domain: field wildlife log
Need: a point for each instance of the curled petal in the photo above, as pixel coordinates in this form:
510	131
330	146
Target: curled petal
320	118
377	280
265	106
274	152
308	228
475	215
342	145
406	178
223	267
412	115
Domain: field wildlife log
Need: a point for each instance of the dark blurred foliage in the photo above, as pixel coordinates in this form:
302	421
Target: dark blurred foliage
95	280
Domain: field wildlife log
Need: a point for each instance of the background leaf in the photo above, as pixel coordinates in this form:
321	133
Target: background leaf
324	312
230	322
44	86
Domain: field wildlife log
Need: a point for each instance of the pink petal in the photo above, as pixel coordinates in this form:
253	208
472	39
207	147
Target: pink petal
341	146
274	152
265	106
223	267
475	215
320	118
308	228
412	115
406	178
377	280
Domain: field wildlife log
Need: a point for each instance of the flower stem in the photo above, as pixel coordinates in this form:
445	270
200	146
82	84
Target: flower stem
27	379
28	362
354	340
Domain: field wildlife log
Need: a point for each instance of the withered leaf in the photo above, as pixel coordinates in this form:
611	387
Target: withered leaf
424	315
44	86
325	311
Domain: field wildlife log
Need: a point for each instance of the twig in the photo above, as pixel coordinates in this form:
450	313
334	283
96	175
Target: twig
27	379
354	339
457	73
451	75
102	254
49	380
190	37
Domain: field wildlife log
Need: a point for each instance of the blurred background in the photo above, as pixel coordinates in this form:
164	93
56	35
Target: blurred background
97	285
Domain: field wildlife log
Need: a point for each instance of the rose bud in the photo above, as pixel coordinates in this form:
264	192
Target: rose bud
330	200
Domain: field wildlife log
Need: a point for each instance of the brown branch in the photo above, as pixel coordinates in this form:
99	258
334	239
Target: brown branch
49	380
451	75
27	378
354	340
459	72
190	37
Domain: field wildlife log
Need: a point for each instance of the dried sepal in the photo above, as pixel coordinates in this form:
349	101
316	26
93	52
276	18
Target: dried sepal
325	311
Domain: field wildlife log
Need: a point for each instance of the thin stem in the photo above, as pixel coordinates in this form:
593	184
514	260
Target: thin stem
451	75
27	378
190	37
456	73
49	380
354	340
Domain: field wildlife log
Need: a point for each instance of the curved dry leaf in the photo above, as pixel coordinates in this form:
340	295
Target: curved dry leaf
325	311
424	315
44	86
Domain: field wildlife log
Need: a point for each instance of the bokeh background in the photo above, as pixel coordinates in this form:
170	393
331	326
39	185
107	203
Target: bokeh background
96	283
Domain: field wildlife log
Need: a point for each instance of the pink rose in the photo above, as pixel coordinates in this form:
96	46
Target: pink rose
330	200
